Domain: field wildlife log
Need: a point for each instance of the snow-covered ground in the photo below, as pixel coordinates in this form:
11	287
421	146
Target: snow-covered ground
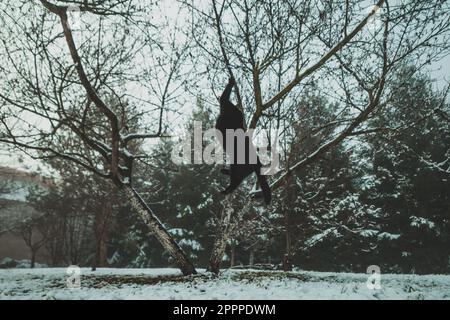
51	283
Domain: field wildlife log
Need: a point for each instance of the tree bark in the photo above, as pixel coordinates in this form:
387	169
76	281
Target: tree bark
166	240
100	231
33	258
287	259
232	255
251	259
100	259
223	235
287	266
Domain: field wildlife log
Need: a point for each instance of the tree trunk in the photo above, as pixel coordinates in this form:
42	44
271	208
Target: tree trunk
251	260
166	240
33	258
224	229
232	255
287	258
102	252
100	259
100	233
287	263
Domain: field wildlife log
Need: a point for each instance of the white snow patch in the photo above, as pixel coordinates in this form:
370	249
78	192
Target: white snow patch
388	236
418	222
233	284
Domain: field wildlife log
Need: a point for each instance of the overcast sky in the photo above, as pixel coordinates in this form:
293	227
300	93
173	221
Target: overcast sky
439	71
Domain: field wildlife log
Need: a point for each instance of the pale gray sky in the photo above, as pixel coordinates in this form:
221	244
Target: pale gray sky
440	71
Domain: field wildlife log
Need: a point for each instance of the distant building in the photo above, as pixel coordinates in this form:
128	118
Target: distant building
14	210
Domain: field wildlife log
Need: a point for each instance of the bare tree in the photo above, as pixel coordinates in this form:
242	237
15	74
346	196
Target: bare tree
32	233
54	89
277	51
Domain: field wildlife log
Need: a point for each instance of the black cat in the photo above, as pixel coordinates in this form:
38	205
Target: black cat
232	118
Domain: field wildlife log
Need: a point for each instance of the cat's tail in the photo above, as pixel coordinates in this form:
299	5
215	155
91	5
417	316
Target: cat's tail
265	188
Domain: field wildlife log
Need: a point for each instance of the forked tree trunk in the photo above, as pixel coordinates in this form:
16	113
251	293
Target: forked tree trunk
223	234
166	240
